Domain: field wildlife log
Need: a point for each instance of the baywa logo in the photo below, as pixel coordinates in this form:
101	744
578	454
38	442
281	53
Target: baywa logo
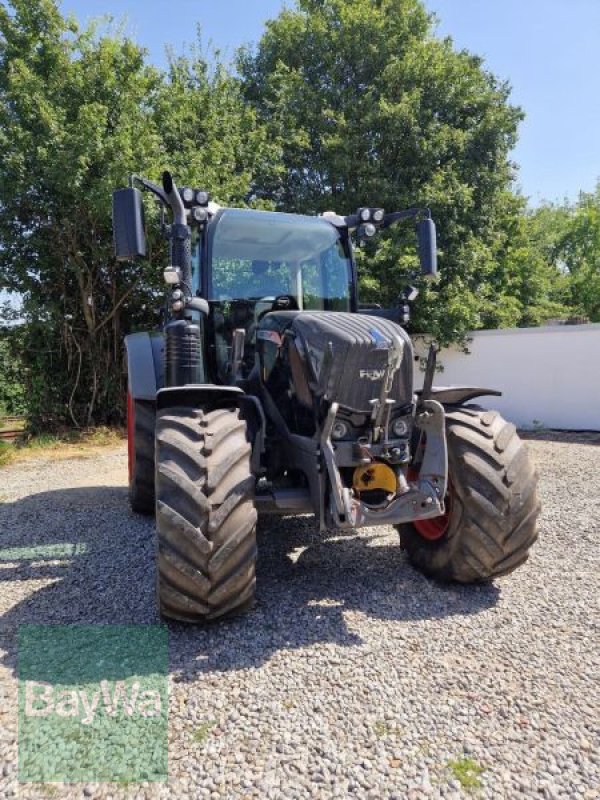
43	700
93	703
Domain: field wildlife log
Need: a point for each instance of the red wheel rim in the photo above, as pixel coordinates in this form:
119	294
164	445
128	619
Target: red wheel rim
435	527
130	433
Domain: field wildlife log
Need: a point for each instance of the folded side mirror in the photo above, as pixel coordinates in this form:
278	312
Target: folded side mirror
128	225
427	247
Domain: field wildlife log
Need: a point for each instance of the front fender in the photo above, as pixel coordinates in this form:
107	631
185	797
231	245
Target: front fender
145	364
199	396
208	396
457	395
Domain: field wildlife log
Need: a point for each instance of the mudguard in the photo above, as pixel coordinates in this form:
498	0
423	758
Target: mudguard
198	395
457	395
209	396
145	364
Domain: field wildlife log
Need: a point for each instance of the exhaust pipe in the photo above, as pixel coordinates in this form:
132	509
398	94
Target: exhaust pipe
181	235
175	201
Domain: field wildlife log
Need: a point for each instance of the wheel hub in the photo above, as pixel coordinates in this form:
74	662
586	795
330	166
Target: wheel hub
434	527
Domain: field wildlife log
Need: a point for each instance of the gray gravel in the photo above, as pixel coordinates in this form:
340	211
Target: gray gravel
355	676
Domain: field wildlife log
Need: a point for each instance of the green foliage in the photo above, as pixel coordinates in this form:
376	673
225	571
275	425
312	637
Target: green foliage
73	122
467	772
13	400
527	286
559	259
373	110
203	731
6	454
577	250
79	111
343	103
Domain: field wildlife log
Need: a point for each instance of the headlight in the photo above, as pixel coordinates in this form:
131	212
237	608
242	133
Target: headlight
339	430
202	198
378	215
200	214
365	214
399	427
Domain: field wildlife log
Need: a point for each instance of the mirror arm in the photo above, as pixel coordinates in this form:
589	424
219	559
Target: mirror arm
351	222
149	186
408	213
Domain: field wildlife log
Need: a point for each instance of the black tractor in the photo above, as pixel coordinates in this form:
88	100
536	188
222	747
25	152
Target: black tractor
268	389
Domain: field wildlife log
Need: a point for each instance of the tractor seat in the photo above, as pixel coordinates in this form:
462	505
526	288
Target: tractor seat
283	302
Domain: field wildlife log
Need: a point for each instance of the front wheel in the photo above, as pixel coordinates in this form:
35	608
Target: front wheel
491	507
205	515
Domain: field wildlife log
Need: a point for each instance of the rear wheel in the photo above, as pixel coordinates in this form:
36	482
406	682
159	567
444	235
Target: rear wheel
205	514
141	419
491	506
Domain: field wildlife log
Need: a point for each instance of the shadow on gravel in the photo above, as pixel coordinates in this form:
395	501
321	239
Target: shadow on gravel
100	558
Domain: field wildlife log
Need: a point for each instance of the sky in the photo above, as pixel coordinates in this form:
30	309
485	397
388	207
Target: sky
548	50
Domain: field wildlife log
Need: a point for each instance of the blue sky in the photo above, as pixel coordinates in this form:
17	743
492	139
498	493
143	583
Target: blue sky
549	50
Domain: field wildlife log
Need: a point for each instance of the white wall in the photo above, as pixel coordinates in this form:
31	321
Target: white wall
548	376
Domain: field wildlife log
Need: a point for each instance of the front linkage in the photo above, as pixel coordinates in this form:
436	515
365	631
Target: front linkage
421	499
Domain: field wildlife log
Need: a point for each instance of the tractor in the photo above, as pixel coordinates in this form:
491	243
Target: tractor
267	388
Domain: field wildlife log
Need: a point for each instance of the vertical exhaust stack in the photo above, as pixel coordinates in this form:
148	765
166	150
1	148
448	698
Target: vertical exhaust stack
175	201
184	362
181	235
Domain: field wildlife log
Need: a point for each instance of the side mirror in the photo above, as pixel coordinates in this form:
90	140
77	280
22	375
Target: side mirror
128	225
427	247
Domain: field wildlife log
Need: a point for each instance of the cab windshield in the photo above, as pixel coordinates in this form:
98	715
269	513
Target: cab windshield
259	257
262	254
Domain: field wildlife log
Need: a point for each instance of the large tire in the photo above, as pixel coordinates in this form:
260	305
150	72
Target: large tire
141	419
205	514
492	507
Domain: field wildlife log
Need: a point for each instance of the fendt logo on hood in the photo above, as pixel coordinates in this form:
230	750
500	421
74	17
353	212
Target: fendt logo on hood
372	374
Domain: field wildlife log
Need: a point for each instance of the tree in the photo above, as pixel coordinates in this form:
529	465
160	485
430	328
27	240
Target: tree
578	251
13	398
374	110
79	111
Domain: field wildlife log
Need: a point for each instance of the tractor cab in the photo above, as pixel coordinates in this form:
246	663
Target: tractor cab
255	262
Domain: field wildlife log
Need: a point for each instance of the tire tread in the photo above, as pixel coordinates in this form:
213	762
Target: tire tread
494	522
206	519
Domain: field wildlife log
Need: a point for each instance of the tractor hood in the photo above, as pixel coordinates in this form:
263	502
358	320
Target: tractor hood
346	358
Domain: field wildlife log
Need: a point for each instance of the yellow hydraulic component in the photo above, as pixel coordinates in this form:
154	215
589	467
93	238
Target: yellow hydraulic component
375	476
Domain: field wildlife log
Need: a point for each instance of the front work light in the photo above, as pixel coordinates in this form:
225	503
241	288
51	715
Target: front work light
172	275
187	195
369	229
200	214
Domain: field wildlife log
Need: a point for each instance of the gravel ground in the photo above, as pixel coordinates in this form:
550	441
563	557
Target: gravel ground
355	676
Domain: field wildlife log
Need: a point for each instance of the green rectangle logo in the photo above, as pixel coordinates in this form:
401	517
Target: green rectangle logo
93	703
